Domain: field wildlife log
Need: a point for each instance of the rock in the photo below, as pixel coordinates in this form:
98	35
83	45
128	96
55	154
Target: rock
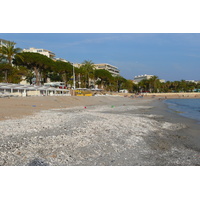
37	162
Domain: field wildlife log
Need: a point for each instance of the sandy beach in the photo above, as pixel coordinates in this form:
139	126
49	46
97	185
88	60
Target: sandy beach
90	131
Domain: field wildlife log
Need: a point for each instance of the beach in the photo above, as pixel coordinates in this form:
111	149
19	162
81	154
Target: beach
95	131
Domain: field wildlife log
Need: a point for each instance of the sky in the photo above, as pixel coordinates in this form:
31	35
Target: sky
170	56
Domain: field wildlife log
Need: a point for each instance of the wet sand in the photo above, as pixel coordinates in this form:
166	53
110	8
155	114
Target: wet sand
89	131
191	133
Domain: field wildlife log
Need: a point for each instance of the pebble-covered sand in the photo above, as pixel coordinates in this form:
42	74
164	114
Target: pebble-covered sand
117	132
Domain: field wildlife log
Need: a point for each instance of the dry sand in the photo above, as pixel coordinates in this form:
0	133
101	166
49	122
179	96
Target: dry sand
17	107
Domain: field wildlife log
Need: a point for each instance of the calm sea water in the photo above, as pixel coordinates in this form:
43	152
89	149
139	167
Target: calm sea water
186	107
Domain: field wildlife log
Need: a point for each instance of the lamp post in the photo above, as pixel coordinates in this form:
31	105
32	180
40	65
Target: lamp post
74	81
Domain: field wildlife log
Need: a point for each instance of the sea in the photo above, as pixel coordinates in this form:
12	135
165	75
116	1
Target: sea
189	108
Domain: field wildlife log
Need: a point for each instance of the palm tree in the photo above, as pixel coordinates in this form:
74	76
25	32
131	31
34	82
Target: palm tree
7	52
103	78
167	86
175	85
88	70
154	83
143	85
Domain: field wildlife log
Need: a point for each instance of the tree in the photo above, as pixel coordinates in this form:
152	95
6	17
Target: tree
5	68
64	70
7	53
167	86
128	84
36	62
87	70
15	76
143	85
119	80
154	84
103	77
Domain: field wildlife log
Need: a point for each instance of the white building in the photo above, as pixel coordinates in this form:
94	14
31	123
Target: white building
45	52
112	69
61	59
3	42
139	78
78	65
192	81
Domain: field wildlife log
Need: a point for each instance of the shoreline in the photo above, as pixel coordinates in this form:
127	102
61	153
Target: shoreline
191	131
162	96
19	107
111	131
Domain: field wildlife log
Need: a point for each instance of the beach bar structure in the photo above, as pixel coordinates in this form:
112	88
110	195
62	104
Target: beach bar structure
9	89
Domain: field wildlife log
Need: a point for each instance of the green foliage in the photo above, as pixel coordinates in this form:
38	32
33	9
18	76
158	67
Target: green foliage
8	50
15	65
87	72
62	71
40	64
154	85
128	84
5	70
13	74
103	78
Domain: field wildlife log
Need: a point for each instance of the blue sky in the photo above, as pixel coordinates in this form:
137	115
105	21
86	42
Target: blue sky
171	56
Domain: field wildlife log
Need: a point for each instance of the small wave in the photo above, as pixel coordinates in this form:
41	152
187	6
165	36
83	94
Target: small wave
185	107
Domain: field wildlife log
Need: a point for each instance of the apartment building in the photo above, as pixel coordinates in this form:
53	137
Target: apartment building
112	69
61	59
192	81
4	43
45	52
139	78
78	65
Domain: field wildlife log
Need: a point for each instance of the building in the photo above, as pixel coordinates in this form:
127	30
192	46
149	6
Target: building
78	65
45	52
192	81
139	78
3	43
61	59
112	69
